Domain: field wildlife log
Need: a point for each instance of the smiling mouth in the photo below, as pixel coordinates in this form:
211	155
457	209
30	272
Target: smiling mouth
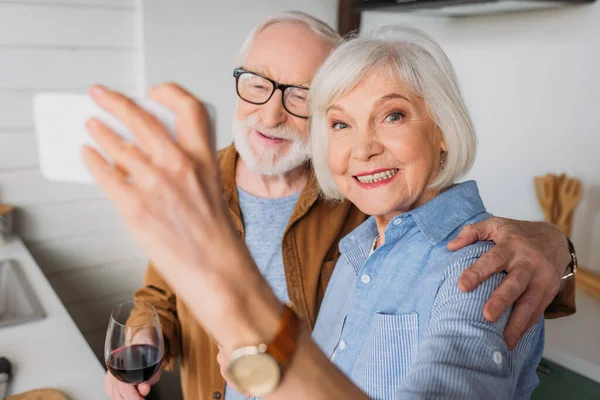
378	176
268	137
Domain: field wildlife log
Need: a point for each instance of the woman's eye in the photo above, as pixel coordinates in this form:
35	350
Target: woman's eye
339	125
395	116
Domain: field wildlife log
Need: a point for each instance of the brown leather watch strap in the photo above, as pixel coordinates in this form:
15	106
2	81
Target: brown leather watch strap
283	346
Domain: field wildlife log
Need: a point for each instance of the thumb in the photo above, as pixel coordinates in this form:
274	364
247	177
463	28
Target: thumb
143	388
484	230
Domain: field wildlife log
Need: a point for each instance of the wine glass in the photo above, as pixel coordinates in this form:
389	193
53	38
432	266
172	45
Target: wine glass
133	350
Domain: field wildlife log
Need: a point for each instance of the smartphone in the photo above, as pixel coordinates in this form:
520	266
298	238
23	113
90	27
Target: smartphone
60	120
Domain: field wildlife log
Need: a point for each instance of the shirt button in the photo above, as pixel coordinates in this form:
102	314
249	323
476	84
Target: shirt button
397	221
497	357
342	345
365	278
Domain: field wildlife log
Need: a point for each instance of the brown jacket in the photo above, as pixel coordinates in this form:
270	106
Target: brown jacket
309	250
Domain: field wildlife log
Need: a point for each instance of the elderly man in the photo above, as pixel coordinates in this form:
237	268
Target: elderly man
293	234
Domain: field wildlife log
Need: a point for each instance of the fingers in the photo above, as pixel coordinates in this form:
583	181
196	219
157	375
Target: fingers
129	392
193	122
143	389
155	378
128	159
526	312
118	390
465	237
511	288
111	181
123	153
491	262
484	230
151	134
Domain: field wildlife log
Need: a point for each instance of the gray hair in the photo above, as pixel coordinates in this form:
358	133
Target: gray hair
414	57
317	26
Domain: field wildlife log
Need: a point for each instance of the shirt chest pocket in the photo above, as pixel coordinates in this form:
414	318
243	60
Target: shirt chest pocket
387	354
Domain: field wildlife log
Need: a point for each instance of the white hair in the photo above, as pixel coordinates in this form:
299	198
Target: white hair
317	26
408	54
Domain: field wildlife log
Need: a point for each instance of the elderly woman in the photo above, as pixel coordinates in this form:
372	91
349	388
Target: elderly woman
393	136
391	133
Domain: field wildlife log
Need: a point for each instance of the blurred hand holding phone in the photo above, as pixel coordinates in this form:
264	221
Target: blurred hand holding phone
61	132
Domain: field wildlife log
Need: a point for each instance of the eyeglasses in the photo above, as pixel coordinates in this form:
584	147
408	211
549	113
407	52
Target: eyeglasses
258	89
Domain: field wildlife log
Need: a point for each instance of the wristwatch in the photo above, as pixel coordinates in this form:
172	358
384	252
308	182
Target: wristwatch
258	370
572	267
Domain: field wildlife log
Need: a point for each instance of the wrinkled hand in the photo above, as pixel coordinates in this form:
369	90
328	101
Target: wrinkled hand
535	256
117	390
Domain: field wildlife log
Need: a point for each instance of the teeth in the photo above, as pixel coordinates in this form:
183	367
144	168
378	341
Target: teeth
380	176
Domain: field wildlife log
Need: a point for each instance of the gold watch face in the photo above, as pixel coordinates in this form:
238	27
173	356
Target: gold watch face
254	373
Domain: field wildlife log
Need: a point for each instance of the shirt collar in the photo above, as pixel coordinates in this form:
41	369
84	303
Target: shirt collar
448	211
436	219
362	236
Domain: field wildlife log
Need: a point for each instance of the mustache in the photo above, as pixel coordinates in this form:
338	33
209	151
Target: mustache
281	131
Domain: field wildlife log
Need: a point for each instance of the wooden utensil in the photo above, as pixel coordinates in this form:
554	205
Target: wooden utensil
570	192
545	189
39	394
558	181
558	196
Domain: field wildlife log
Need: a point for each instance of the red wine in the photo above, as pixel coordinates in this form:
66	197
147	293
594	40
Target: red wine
134	364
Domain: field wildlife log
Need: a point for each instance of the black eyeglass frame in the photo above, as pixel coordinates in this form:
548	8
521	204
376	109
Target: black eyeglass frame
237	72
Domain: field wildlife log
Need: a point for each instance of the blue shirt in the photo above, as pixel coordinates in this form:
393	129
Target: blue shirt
265	221
398	325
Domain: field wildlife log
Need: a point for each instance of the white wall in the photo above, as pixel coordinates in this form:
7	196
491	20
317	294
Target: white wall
71	230
196	43
532	85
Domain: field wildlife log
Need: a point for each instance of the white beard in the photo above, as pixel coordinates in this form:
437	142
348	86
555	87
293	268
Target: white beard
267	161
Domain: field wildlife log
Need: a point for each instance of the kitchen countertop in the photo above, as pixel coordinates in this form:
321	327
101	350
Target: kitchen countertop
574	342
50	352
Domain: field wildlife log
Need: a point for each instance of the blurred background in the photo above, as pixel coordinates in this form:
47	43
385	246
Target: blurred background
530	79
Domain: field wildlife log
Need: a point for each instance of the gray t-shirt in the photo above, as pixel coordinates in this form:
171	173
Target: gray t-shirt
265	221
